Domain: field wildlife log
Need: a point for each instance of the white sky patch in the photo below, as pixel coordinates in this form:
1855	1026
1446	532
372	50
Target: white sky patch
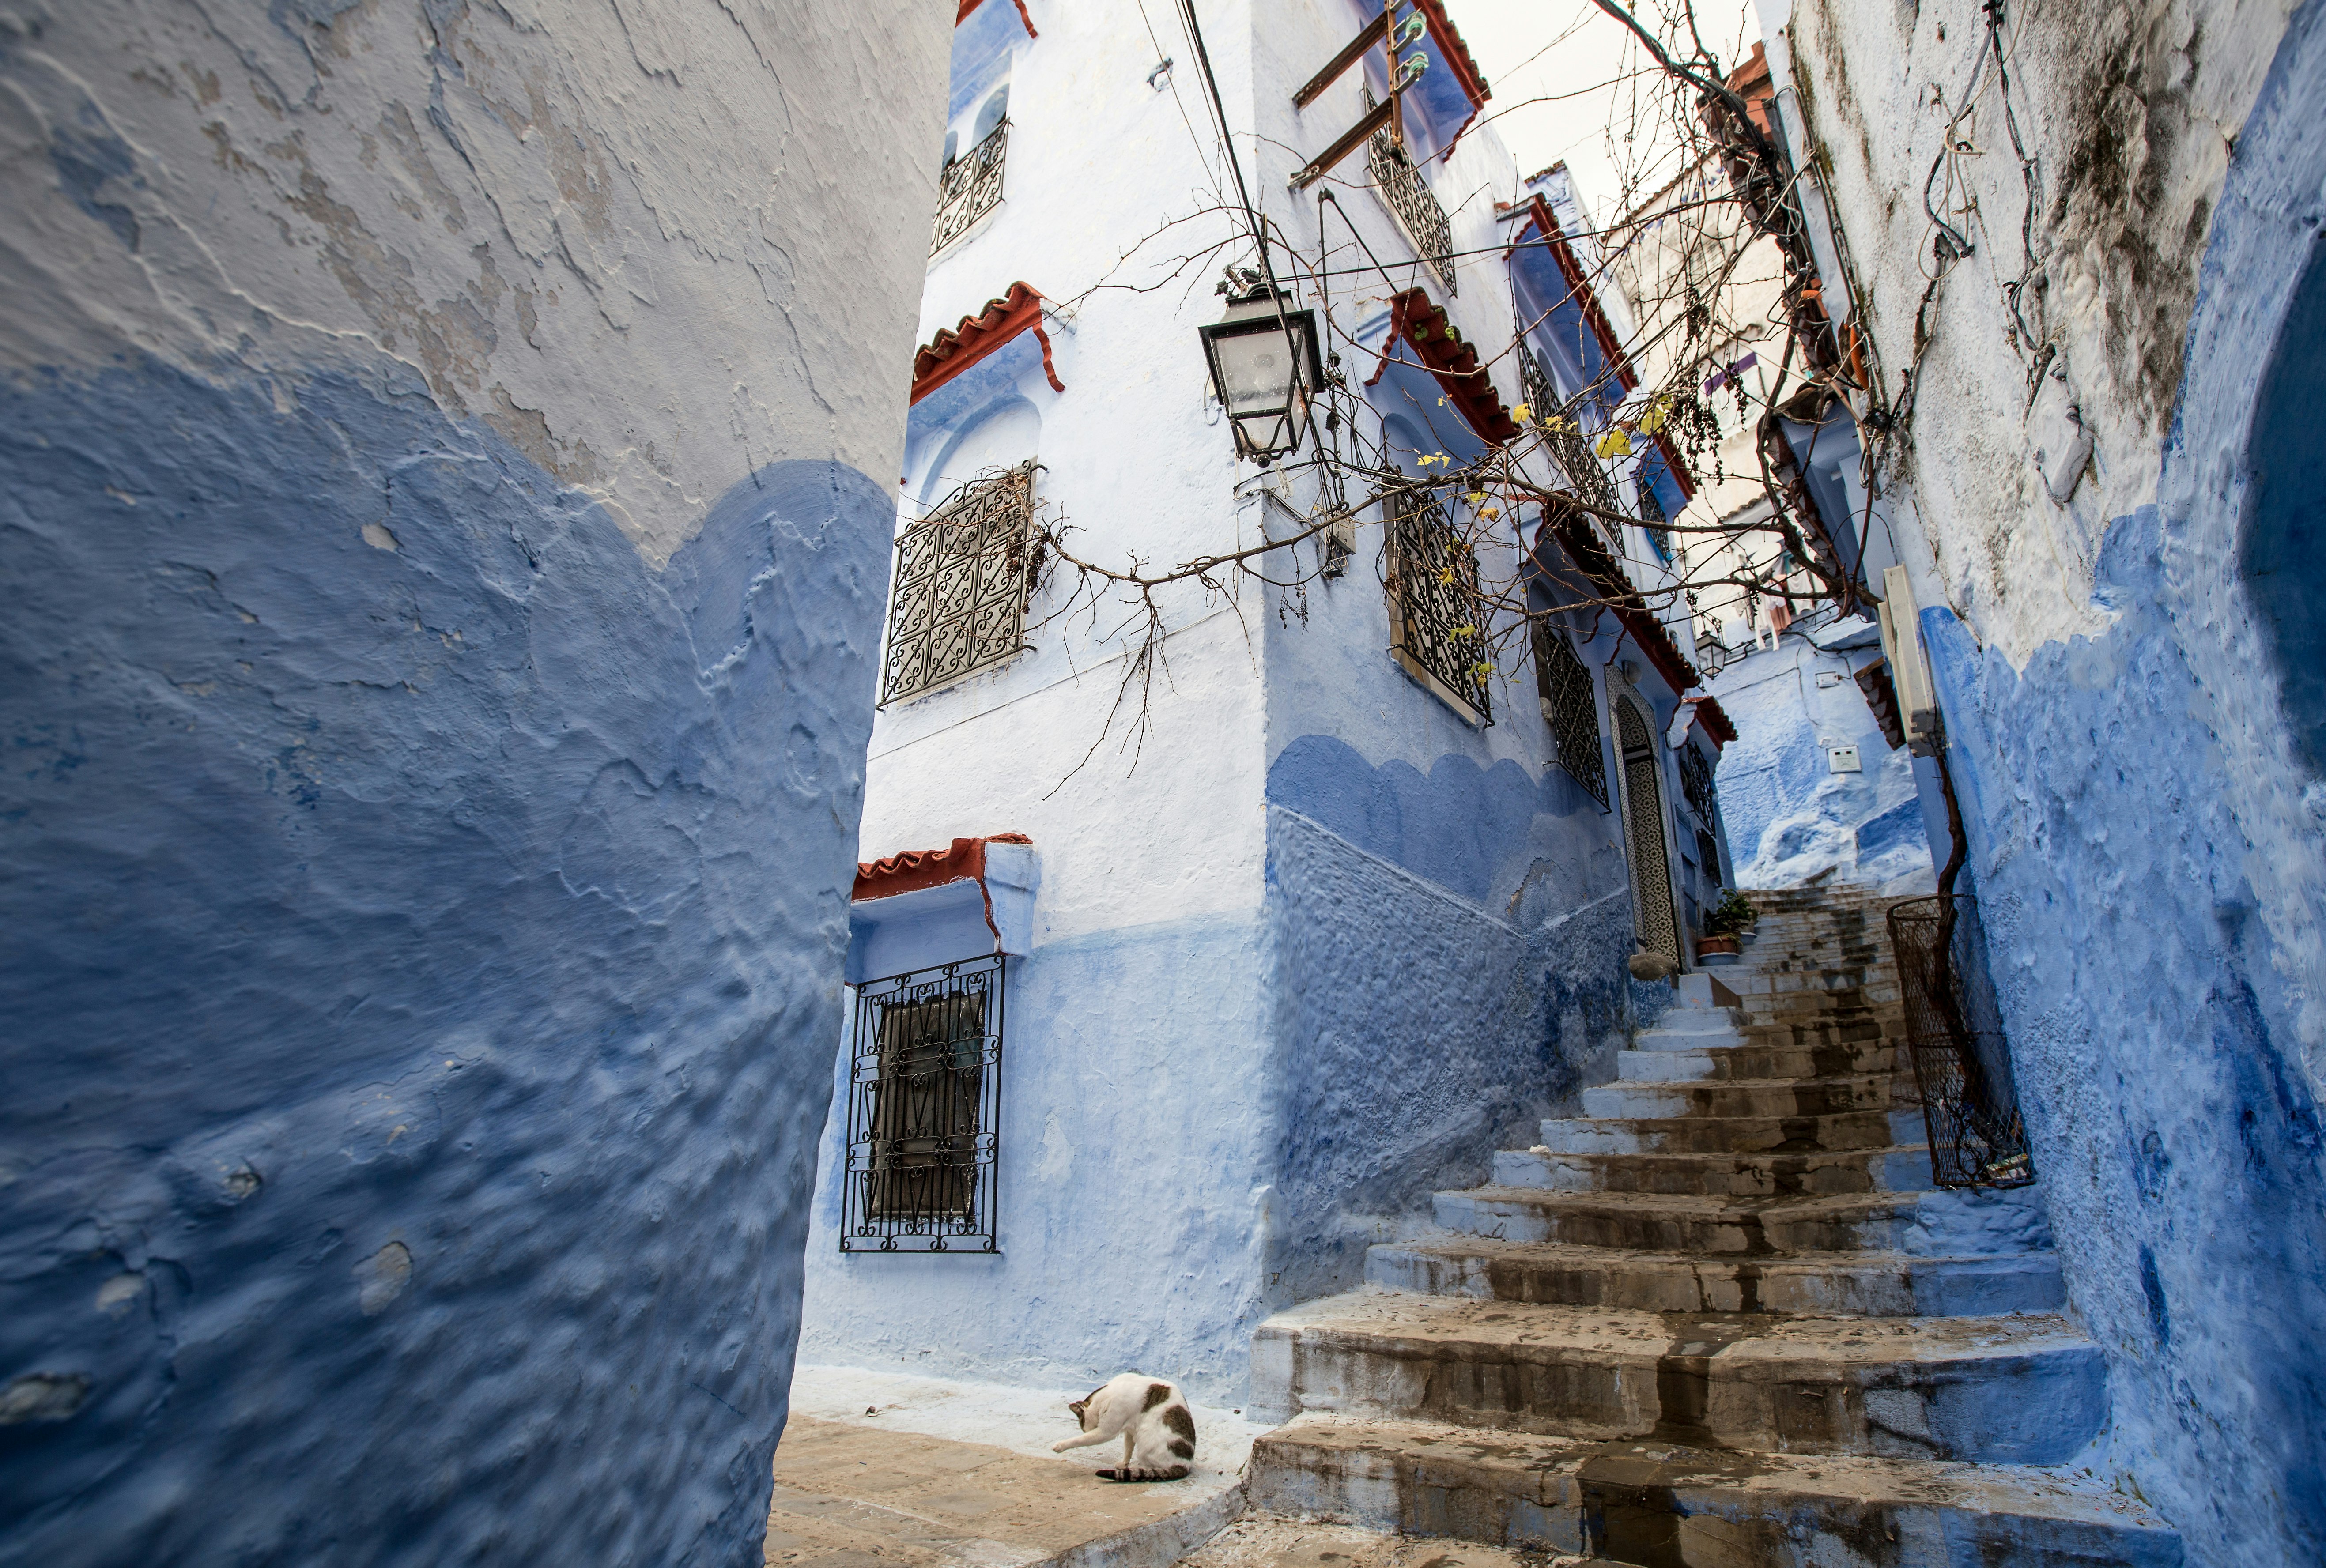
1569	81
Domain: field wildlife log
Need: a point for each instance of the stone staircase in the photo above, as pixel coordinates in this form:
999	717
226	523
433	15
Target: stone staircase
1721	1319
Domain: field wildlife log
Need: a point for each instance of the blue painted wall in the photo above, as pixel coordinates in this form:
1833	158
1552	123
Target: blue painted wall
1136	1132
1447	917
2145	832
421	963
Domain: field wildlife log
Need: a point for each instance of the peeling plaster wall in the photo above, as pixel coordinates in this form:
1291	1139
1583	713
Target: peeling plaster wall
2144	821
443	588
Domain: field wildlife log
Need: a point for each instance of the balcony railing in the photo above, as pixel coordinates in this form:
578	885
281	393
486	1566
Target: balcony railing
1408	195
969	189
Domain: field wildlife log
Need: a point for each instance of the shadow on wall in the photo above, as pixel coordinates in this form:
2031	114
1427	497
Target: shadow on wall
423	930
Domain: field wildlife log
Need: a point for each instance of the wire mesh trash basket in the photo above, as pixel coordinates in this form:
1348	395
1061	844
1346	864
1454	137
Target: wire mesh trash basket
1955	1033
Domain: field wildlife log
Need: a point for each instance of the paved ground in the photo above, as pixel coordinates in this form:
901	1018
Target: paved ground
1274	1541
876	1471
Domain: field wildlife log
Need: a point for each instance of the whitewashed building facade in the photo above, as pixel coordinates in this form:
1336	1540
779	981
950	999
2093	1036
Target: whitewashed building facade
1186	970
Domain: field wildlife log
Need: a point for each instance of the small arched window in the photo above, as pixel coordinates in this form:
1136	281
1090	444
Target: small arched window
996	109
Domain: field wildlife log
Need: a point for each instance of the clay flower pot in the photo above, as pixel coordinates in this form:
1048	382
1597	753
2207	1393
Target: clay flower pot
1717	949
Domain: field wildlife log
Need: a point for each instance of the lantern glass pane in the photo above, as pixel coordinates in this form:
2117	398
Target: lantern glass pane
1254	368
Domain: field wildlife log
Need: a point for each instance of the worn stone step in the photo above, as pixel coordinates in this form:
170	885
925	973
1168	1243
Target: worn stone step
1731	1175
1675	1507
1663	1065
1860	1129
2009	1390
1836	1284
1949	1222
1753	1097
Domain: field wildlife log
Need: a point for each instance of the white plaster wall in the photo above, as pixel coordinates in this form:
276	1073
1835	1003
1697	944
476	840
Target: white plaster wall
2131	109
536	213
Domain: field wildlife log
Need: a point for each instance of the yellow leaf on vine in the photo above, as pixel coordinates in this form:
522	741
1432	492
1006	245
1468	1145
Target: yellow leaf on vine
1614	444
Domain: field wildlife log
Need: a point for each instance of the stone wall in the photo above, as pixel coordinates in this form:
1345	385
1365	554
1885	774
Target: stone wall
2143	817
443	580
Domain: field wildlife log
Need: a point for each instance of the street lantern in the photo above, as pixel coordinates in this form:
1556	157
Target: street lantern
1264	365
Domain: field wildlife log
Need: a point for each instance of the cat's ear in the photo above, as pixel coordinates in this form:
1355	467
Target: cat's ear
1076	1406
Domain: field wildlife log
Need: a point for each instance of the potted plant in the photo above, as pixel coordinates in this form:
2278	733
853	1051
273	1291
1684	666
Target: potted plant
1721	943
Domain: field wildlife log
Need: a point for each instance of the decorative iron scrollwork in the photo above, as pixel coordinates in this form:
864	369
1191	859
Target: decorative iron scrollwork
964	575
1424	221
1440	619
970	188
924	1111
1696	782
1572	708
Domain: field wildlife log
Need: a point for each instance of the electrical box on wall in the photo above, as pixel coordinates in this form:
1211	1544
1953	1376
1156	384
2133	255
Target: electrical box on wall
1844	760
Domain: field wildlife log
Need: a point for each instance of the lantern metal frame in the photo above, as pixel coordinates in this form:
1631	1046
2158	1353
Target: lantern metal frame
1249	314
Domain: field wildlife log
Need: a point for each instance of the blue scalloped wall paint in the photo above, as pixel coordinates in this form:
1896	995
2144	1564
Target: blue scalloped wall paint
422	968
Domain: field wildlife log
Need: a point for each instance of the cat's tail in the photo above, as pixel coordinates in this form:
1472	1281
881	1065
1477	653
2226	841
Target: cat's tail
1125	1473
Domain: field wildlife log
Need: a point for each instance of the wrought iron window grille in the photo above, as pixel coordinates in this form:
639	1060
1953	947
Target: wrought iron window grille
1534	382
1571	707
1653	519
1962	1063
1696	783
1409	196
969	189
924	1111
1437	617
964	575
1587	481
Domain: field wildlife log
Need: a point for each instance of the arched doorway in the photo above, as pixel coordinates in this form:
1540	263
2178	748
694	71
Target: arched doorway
2279	550
1643	821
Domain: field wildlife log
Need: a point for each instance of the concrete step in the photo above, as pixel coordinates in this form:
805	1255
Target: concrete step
1747	1097
1861	1129
1940	1223
1659	1062
1674	1506
1750	1175
1836	1284
2008	1390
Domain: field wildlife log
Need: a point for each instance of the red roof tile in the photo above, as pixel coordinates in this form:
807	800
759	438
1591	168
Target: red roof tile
1457	53
948	354
1572	529
1437	343
1714	720
969	5
1579	287
910	871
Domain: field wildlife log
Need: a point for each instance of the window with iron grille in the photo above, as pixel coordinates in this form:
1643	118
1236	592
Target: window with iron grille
1696	782
924	1111
1402	186
1535	380
1438	620
1571	708
1586	481
964	575
970	188
1652	518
